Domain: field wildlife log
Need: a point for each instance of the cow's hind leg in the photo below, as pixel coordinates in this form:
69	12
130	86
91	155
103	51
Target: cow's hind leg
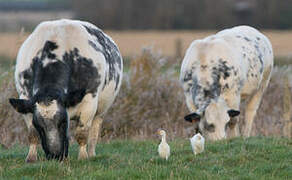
87	112
233	101
93	135
254	103
250	112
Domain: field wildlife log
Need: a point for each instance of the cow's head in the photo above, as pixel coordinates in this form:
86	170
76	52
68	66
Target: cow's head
215	120
50	119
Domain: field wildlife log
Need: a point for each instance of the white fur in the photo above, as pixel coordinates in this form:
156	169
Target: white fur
241	47
47	111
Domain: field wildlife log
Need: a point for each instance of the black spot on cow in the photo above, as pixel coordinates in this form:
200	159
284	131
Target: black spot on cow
226	86
76	118
258	38
47	50
215	87
247	39
222	68
83	73
202	95
27	82
92	44
27	75
73	73
110	52
204	67
198	95
54	75
260	57
209	127
188	76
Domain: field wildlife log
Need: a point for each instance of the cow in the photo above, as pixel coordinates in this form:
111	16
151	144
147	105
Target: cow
218	73
66	70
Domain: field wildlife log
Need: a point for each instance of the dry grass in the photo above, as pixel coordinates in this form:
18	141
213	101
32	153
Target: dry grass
151	98
163	42
12	126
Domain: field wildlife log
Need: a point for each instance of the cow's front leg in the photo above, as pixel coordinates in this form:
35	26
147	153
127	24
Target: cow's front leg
233	101
250	112
33	140
233	127
87	111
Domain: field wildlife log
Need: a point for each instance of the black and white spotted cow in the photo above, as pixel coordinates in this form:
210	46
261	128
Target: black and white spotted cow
66	70
220	71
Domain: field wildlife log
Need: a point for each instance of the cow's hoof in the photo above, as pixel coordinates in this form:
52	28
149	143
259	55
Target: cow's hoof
92	154
31	159
82	156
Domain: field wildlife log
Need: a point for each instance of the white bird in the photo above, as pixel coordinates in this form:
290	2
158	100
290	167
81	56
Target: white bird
163	148
197	143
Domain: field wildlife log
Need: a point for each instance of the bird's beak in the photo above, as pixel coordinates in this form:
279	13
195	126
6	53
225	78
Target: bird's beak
158	132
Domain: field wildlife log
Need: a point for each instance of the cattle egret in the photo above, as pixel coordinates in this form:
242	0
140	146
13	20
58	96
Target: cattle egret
163	148
197	143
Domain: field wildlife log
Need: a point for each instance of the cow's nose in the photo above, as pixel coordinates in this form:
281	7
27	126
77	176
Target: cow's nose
58	157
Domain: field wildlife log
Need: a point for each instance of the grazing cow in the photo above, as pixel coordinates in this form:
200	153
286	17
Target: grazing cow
220	71
66	69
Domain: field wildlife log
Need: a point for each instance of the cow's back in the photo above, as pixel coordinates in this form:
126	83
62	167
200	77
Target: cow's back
233	61
255	53
93	58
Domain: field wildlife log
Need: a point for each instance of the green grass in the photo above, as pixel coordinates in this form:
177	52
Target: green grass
253	158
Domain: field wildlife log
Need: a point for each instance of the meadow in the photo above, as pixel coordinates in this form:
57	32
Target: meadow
252	158
151	98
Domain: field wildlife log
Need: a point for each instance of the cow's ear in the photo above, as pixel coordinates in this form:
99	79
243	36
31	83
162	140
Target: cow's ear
22	105
233	113
193	118
74	97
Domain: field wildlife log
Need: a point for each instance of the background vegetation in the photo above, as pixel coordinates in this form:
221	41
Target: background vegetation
185	14
151	98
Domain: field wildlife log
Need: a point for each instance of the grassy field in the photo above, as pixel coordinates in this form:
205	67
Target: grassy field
153	100
252	158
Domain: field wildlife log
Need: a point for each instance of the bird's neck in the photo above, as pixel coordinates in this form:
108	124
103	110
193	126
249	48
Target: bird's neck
163	139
